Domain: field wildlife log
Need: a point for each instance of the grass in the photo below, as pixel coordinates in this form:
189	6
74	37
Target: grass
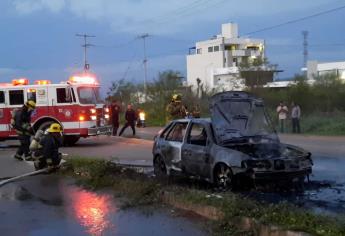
139	189
326	124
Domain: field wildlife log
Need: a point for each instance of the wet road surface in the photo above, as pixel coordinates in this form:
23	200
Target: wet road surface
50	205
324	194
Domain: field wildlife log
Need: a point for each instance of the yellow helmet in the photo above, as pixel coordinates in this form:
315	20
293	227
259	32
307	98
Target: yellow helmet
31	104
177	97
55	128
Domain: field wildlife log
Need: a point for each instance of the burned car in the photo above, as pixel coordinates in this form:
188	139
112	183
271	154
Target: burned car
238	140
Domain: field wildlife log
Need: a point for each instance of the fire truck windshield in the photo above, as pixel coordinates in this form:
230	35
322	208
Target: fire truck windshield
89	95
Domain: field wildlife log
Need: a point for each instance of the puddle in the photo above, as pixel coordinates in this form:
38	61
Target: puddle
51	205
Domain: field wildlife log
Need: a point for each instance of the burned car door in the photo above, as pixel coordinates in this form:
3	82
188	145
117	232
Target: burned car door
171	147
195	151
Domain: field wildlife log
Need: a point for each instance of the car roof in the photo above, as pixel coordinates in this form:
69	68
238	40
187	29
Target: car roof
203	120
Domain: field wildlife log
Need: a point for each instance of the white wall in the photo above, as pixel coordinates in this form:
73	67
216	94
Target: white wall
201	66
314	68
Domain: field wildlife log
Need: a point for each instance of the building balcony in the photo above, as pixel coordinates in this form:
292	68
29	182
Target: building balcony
226	70
244	53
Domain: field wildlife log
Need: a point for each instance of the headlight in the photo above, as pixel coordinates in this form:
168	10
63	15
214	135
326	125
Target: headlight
142	115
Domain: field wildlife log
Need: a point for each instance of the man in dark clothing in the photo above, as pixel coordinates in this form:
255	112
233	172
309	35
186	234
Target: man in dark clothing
131	118
295	116
115	111
21	120
49	145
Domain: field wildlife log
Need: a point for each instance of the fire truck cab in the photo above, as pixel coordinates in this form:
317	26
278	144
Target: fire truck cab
75	105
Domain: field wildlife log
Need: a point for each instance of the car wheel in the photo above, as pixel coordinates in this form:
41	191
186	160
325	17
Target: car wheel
223	177
159	167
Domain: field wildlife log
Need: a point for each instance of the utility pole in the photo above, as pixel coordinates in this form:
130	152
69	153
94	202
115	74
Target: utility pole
143	37
86	46
305	47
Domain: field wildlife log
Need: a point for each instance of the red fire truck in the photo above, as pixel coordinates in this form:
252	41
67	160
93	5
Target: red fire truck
75	105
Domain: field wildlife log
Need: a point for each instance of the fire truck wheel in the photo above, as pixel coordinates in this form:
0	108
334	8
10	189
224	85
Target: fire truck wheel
70	140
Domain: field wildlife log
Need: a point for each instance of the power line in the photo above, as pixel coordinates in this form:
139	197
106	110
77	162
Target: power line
185	13
177	10
296	20
192	11
115	46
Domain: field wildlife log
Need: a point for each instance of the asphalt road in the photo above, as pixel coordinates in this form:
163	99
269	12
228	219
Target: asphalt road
326	193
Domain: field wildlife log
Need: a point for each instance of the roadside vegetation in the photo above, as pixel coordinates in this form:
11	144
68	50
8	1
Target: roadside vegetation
139	189
322	104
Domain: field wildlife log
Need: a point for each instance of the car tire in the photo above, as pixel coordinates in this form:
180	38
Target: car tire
223	177
159	167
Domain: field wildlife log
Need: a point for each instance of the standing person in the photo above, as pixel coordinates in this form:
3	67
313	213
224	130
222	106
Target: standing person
115	111
295	116
20	121
196	111
131	118
175	109
282	111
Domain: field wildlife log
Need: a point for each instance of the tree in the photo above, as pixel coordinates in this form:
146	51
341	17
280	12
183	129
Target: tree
257	71
121	91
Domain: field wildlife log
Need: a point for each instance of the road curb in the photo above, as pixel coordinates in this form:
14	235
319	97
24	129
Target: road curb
212	213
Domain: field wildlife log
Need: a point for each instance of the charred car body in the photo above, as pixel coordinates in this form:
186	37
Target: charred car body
238	140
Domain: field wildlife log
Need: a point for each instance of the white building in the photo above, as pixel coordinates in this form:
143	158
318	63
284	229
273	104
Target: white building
315	68
215	61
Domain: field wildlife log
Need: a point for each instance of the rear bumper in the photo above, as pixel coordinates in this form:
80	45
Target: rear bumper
100	130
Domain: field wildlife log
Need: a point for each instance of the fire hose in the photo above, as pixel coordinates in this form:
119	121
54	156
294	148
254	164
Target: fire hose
44	170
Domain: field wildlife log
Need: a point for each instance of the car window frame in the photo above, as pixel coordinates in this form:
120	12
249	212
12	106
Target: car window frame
172	128
189	130
166	130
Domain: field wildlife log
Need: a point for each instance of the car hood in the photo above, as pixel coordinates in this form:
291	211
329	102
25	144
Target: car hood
237	116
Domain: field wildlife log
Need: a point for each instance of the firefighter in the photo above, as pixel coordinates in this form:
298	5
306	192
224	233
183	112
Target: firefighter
21	123
47	148
175	109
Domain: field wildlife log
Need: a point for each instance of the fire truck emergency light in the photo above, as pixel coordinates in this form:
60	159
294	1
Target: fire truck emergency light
20	81
84	79
42	82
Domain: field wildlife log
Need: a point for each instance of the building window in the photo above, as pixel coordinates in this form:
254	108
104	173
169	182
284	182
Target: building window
210	49
2	97
16	97
216	48
199	51
234	61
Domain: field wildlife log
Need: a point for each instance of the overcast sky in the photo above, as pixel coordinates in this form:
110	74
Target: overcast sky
38	36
